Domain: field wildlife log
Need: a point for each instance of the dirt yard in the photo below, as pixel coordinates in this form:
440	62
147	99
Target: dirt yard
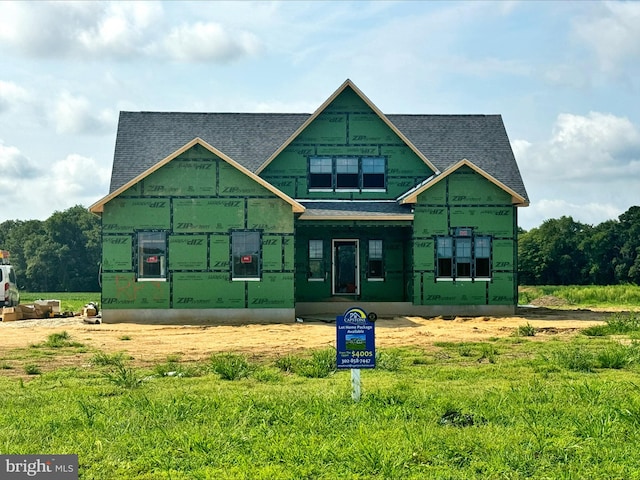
152	343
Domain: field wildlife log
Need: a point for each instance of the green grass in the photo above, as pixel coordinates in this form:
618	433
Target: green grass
69	301
585	295
616	324
499	409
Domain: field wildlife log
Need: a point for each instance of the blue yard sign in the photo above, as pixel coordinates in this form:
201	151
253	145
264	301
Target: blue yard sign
356	346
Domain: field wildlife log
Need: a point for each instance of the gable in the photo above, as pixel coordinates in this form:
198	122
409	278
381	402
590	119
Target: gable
271	144
464	183
347	127
196	169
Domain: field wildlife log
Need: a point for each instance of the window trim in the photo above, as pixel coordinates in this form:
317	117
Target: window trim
458	238
140	256
315	258
336	165
233	254
380	258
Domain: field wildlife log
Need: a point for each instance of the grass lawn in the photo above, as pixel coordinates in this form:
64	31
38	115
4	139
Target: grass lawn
515	408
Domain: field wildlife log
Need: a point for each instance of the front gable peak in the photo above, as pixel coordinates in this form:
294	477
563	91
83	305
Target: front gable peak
347	88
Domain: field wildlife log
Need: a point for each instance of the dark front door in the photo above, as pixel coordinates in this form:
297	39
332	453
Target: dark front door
345	267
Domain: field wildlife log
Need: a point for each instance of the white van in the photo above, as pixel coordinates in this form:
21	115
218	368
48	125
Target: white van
9	294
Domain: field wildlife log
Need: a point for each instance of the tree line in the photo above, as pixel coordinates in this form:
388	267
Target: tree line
62	253
565	252
59	254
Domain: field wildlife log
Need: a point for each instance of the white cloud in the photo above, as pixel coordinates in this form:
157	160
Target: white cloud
612	33
79	178
74	114
11	95
30	192
14	165
584	148
121	29
116	30
588	168
209	42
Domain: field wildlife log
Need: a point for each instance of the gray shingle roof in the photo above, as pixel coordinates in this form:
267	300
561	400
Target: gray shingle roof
351	209
481	139
145	138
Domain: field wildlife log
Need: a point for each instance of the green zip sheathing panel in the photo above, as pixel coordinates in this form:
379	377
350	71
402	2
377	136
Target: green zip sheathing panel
464	199
122	290
396	241
196	199
347	127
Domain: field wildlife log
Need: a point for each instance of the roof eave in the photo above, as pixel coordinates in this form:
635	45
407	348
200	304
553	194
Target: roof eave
517	199
407	217
98	207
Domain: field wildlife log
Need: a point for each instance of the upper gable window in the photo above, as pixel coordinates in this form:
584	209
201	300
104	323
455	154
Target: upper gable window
373	172
347	174
320	173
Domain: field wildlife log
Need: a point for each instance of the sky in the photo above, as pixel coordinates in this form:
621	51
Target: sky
565	76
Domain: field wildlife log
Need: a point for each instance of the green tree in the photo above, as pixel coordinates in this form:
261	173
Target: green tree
628	267
552	253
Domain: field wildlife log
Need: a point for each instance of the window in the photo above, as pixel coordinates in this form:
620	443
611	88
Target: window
152	255
463	255
347	173
483	256
316	264
375	268
445	256
373	170
321	173
245	255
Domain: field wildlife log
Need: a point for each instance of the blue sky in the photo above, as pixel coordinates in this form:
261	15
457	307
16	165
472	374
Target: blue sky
565	76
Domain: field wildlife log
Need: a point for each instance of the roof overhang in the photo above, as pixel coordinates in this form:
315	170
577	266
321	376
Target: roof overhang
412	196
98	207
350	84
359	218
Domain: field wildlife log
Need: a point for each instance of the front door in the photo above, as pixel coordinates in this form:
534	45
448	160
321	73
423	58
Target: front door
345	266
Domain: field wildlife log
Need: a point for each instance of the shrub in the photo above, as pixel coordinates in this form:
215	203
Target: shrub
230	366
389	360
288	363
527	330
321	364
121	375
575	358
104	359
465	350
616	324
32	369
614	356
596	331
488	352
59	340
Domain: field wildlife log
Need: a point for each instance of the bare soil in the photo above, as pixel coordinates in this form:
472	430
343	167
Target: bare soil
148	344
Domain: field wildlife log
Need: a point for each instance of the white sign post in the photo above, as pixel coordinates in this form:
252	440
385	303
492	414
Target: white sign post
355	345
355	384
